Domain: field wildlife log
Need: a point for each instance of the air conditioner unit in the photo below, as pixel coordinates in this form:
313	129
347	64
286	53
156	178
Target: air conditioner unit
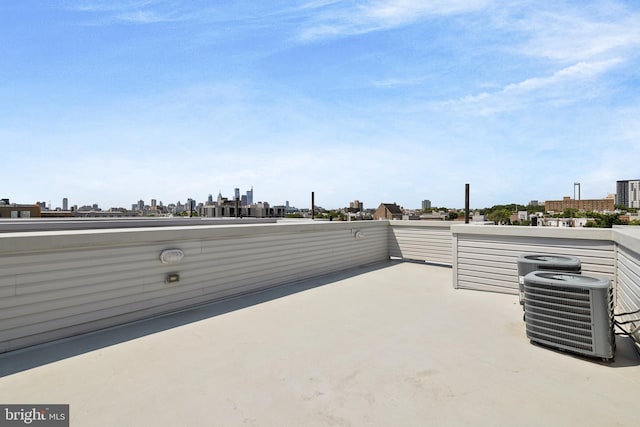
570	312
549	262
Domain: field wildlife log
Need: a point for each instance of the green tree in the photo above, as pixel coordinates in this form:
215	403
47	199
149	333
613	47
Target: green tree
500	216
604	220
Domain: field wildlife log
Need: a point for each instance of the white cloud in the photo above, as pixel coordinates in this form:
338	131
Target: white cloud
568	32
574	36
346	20
397	82
109	6
579	71
319	4
143	17
391	13
563	86
134	12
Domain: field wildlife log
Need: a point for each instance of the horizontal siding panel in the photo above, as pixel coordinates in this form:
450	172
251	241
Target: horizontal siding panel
486	269
102	311
628	288
267	270
487	288
485	284
598	256
423	243
517	242
45	293
508	281
492	260
43	281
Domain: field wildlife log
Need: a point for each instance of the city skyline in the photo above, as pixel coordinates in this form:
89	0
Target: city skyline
379	100
247	199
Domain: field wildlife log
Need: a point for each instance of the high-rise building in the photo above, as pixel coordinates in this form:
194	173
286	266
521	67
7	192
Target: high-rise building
426	204
628	193
356	206
250	196
153	203
65	204
236	194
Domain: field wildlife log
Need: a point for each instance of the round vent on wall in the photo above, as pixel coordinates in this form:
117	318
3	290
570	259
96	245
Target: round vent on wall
171	256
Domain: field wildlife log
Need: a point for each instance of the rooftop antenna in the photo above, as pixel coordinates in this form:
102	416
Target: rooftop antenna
466	203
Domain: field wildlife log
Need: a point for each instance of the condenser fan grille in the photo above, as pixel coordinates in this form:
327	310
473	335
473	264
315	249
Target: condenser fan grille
560	313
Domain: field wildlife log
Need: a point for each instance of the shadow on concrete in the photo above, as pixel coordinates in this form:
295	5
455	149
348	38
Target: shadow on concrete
42	354
626	354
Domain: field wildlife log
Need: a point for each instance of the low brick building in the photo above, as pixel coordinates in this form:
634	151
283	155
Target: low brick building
596	205
388	211
15	210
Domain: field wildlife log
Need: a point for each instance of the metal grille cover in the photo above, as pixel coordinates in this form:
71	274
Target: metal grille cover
570	312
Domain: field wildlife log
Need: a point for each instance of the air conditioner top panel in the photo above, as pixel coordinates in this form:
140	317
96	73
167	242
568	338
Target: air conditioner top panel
552	259
566	280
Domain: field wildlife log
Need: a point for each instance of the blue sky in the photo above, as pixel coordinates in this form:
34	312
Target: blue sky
399	101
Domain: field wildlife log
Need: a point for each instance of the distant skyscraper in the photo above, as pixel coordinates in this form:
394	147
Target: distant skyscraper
210	199
140	205
237	193
153	203
250	196
65	204
426	204
356	205
190	206
628	193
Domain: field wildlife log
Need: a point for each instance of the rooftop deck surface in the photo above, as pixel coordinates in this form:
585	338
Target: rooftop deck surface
387	345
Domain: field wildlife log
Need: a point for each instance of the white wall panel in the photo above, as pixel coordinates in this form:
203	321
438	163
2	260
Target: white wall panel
56	284
428	241
628	286
60	283
486	256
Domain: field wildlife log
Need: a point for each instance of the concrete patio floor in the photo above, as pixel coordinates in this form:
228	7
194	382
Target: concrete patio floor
385	345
